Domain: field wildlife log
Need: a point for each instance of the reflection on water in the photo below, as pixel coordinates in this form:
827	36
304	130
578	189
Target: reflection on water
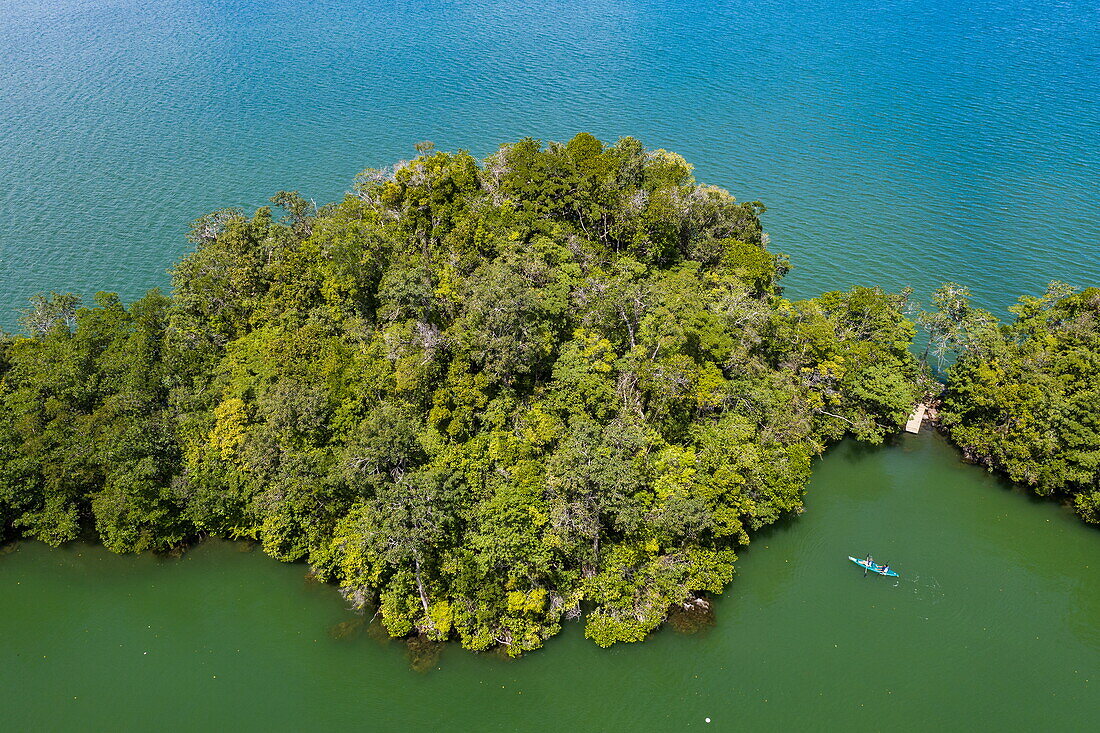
348	629
692	617
423	654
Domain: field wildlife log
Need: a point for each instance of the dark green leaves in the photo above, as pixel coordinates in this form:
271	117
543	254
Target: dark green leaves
477	396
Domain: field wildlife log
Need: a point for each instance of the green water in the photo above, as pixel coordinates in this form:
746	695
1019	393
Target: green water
994	625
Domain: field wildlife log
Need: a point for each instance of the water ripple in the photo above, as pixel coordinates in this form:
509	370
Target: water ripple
898	144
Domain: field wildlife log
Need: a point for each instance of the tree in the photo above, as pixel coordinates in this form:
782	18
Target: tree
1022	399
954	326
49	312
482	397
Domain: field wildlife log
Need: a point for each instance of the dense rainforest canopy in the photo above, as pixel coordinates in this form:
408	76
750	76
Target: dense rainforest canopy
1024	397
482	397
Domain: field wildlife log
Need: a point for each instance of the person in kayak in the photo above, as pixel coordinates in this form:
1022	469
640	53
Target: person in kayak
870	560
870	564
886	568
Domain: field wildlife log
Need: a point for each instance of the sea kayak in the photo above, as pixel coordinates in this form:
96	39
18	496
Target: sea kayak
873	567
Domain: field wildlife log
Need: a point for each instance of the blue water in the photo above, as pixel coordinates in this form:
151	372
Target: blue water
894	142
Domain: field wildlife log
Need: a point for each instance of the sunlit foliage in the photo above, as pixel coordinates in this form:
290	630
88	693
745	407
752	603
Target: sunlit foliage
482	397
1024	398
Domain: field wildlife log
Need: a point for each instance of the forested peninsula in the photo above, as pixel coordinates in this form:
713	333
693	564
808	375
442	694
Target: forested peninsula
1023	398
485	397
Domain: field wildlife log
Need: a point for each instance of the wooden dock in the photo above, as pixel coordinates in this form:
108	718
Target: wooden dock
915	419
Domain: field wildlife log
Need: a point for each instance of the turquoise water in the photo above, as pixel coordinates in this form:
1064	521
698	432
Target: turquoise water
895	142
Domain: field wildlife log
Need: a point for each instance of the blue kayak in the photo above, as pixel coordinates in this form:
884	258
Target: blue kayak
874	567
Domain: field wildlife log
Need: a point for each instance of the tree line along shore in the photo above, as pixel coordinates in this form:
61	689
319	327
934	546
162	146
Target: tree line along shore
486	397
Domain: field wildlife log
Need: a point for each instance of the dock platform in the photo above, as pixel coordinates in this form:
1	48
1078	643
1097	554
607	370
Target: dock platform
915	419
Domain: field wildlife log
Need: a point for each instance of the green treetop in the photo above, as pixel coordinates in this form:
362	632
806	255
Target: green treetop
482	397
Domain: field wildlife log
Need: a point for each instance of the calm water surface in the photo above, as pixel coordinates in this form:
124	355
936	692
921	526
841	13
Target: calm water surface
992	626
896	142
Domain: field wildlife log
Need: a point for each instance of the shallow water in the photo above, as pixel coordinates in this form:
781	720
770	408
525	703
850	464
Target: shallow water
993	625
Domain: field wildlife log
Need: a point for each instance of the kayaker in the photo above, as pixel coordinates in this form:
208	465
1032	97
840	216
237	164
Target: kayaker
870	560
886	568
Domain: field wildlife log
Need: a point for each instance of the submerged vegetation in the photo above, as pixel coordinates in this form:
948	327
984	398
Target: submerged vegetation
1024	398
481	397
